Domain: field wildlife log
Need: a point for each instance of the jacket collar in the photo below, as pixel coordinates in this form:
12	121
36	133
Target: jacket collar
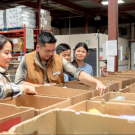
2	70
39	62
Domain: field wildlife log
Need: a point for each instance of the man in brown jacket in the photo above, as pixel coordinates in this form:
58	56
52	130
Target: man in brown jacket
43	66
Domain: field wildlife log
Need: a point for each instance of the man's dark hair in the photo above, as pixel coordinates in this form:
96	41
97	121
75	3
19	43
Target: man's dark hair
46	37
4	40
62	47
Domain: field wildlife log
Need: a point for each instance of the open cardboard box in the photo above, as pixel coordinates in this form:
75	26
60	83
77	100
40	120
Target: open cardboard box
67	122
109	108
130	89
126	74
126	71
9	133
132	79
129	73
73	94
79	85
40	104
11	115
109	97
122	82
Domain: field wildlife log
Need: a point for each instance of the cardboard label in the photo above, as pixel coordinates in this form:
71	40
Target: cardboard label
15	42
5	126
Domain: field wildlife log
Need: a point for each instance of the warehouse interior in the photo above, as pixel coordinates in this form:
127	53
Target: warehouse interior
70	19
35	97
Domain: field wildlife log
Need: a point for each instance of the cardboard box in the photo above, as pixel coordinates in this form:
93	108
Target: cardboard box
127	71
130	89
121	74
112	87
2	19
11	115
69	122
109	97
73	94
18	44
80	86
109	108
132	79
40	104
9	133
122	82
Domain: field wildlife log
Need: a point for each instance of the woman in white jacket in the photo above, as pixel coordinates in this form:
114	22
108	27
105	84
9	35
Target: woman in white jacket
7	88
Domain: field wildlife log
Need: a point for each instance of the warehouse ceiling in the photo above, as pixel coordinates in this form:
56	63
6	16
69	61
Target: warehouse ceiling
75	10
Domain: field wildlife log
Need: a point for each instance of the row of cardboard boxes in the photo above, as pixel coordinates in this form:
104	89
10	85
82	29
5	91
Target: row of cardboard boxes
29	113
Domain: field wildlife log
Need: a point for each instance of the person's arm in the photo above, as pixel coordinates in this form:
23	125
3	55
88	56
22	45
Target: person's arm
12	90
77	74
86	78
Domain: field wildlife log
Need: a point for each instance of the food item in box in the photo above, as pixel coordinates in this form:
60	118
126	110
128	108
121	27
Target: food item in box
119	98
128	117
94	111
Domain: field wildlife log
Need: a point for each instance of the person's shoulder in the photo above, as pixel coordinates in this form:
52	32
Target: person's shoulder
30	54
88	65
57	56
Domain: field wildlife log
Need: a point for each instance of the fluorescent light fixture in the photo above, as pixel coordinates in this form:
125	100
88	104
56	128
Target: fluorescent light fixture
97	18
106	2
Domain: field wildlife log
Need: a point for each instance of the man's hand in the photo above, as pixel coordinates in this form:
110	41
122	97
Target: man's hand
101	87
49	84
30	89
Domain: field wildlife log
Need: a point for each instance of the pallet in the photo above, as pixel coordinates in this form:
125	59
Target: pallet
8	29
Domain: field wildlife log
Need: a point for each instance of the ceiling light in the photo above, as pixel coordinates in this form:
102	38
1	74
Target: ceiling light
97	18
106	2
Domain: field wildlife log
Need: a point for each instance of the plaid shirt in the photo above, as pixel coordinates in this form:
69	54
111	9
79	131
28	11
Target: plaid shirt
8	89
21	73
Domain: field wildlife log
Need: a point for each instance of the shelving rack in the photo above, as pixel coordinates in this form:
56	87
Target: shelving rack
16	33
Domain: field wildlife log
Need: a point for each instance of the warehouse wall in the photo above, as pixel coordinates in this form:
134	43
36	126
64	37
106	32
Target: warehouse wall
72	40
81	30
123	64
78	30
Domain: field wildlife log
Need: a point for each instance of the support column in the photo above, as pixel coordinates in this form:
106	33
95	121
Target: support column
38	14
134	31
113	25
129	47
86	24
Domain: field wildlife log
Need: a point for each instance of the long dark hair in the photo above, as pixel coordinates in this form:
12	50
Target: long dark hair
81	44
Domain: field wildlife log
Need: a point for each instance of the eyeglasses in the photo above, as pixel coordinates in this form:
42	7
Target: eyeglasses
49	51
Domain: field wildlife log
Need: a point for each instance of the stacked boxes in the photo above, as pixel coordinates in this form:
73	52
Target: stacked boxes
20	16
18	44
2	19
45	19
17	17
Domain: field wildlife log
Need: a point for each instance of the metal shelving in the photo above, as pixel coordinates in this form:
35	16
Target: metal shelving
16	33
